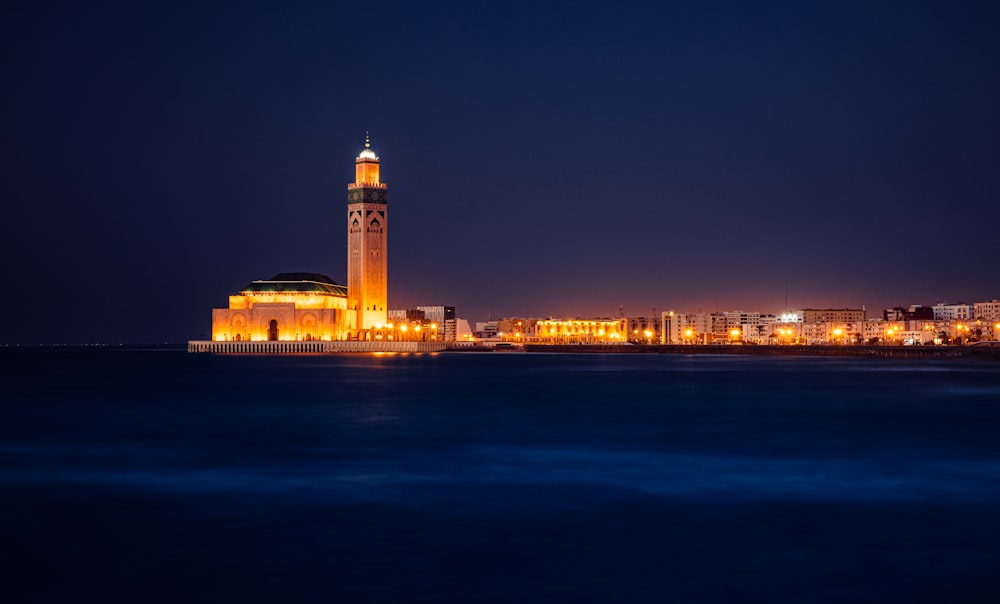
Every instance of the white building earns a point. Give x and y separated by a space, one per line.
953 312
681 328
460 328
487 329
987 311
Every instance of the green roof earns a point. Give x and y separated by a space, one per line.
312 283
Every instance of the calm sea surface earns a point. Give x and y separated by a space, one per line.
160 476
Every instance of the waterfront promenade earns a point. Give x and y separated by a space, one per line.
892 352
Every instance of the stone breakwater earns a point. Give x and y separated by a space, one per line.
888 352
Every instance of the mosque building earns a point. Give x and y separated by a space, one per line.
311 306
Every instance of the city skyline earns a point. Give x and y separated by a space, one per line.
546 160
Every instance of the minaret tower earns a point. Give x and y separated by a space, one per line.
366 242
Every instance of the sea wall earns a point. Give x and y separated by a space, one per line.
317 346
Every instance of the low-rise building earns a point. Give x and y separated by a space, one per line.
487 329
440 315
644 330
580 331
953 312
915 312
832 315
987 311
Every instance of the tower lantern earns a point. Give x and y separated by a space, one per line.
366 165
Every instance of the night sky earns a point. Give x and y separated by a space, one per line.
544 159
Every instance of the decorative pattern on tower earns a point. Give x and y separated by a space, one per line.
367 221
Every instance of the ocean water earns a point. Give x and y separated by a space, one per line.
161 476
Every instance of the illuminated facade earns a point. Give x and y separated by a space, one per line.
580 331
310 306
833 315
367 291
286 307
671 325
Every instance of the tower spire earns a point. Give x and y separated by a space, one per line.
368 143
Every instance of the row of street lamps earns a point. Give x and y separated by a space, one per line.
403 332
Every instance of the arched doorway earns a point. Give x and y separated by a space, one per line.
272 330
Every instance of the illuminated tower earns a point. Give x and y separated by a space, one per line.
366 242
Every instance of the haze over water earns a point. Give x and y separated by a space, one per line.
162 476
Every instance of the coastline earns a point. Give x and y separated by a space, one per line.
988 353
972 352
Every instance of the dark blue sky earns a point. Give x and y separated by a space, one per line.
542 158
